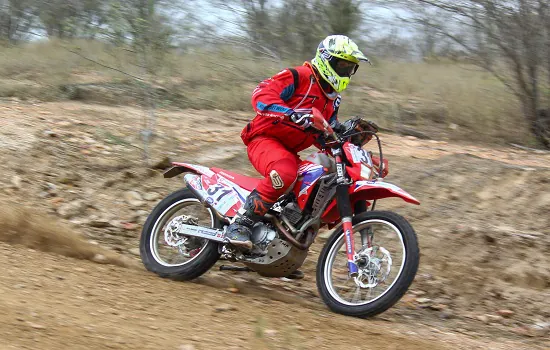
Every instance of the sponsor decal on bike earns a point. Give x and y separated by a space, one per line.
221 197
227 175
348 243
199 168
195 182
308 167
310 177
240 192
381 184
340 170
352 266
199 231
206 182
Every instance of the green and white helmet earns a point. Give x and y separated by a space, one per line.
337 59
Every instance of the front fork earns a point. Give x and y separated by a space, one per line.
346 212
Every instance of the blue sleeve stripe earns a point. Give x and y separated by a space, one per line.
287 93
333 118
271 108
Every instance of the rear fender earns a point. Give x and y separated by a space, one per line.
179 168
219 193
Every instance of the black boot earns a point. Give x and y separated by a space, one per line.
238 233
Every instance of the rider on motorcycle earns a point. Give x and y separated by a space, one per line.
283 124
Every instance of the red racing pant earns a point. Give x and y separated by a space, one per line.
278 165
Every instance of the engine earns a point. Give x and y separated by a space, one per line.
274 257
262 235
293 213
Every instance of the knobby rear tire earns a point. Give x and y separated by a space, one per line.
191 270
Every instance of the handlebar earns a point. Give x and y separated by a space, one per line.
338 141
322 125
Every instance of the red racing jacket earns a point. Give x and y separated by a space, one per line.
274 99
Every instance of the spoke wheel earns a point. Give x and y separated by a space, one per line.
377 271
387 258
172 255
172 250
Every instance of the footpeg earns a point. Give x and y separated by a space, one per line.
241 244
296 275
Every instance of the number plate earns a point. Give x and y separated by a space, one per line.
359 155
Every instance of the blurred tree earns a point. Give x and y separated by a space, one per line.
294 28
258 23
299 29
512 42
392 46
340 16
72 18
17 18
140 24
428 38
59 17
257 26
544 13
92 19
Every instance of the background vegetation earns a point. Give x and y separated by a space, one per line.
476 69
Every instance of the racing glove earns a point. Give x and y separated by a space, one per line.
305 120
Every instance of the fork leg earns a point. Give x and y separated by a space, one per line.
346 213
350 246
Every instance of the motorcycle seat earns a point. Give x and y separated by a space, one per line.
246 182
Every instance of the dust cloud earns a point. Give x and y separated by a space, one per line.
20 225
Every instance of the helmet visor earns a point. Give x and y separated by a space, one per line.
343 67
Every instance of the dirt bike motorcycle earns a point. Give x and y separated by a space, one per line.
365 266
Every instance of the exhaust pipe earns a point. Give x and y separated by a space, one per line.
179 226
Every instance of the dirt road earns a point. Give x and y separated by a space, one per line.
483 230
54 302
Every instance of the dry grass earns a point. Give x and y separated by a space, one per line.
421 94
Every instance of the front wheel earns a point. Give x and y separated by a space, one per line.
176 256
387 256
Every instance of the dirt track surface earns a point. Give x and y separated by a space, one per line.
53 302
483 228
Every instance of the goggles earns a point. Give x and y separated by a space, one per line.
343 67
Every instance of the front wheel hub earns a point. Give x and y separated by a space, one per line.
374 265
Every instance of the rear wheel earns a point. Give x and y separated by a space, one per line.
387 256
177 256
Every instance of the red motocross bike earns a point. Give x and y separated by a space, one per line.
366 265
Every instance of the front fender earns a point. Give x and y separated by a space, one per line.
372 190
368 191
